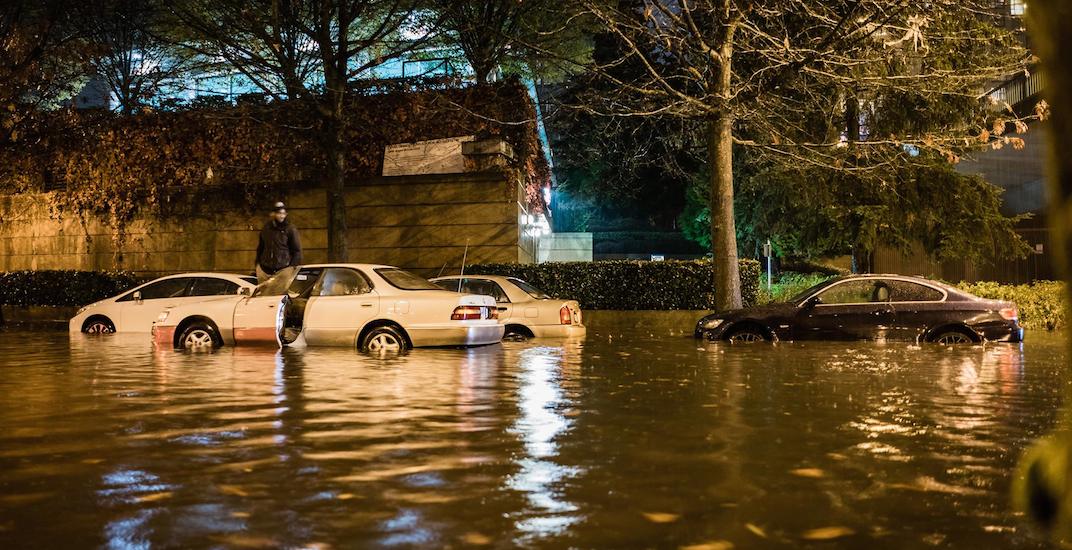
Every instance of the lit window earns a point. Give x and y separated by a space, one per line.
1016 7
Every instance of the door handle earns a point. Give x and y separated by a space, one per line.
366 305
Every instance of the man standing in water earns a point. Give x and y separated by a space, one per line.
279 246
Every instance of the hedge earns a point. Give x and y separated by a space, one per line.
1041 304
628 284
62 287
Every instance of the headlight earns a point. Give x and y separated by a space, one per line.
711 323
162 317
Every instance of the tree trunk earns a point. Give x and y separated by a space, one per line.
723 229
720 165
862 260
336 198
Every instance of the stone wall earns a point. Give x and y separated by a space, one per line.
416 222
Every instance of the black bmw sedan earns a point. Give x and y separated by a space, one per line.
871 307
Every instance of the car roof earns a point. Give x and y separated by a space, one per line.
366 266
204 274
499 278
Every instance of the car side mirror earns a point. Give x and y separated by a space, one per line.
137 295
245 291
812 302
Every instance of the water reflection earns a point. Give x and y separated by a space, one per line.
636 436
541 401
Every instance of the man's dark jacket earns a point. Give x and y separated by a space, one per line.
279 246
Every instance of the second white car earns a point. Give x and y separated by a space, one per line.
524 310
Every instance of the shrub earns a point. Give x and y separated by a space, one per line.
786 285
62 287
1042 303
628 284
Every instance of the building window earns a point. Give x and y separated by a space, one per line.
1016 7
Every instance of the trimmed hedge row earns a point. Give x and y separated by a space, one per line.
1041 304
628 284
62 287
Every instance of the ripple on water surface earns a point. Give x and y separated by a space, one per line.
637 435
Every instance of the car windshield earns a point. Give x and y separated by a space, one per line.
277 284
405 280
529 289
811 290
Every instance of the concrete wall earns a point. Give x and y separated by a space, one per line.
565 247
417 222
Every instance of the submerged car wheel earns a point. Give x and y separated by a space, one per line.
953 337
383 340
516 333
199 336
747 335
99 325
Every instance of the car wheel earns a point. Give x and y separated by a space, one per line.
953 337
516 334
386 339
99 325
747 335
199 336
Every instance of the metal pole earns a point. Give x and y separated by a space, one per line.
769 274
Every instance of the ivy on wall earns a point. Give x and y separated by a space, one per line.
171 162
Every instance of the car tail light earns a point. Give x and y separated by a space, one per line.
1009 313
564 316
472 313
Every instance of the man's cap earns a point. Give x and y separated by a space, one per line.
279 206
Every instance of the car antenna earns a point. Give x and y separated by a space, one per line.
465 255
441 269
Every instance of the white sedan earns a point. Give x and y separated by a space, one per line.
136 309
524 310
371 307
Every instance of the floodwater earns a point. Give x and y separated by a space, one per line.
637 436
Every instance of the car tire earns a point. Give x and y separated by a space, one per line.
952 338
515 333
98 325
199 336
385 339
747 335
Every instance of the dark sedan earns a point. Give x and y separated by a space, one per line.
871 307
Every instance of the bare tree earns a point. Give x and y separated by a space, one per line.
124 46
38 62
311 50
751 73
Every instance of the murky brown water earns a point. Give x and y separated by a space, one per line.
636 437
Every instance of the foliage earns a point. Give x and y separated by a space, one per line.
628 284
530 37
170 163
39 59
812 211
1042 304
786 285
62 287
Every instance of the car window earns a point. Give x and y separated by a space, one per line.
212 286
291 281
484 287
405 280
167 288
905 291
337 281
856 292
250 280
529 289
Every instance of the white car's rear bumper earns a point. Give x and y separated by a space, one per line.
455 335
558 331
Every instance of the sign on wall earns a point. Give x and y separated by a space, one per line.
437 156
